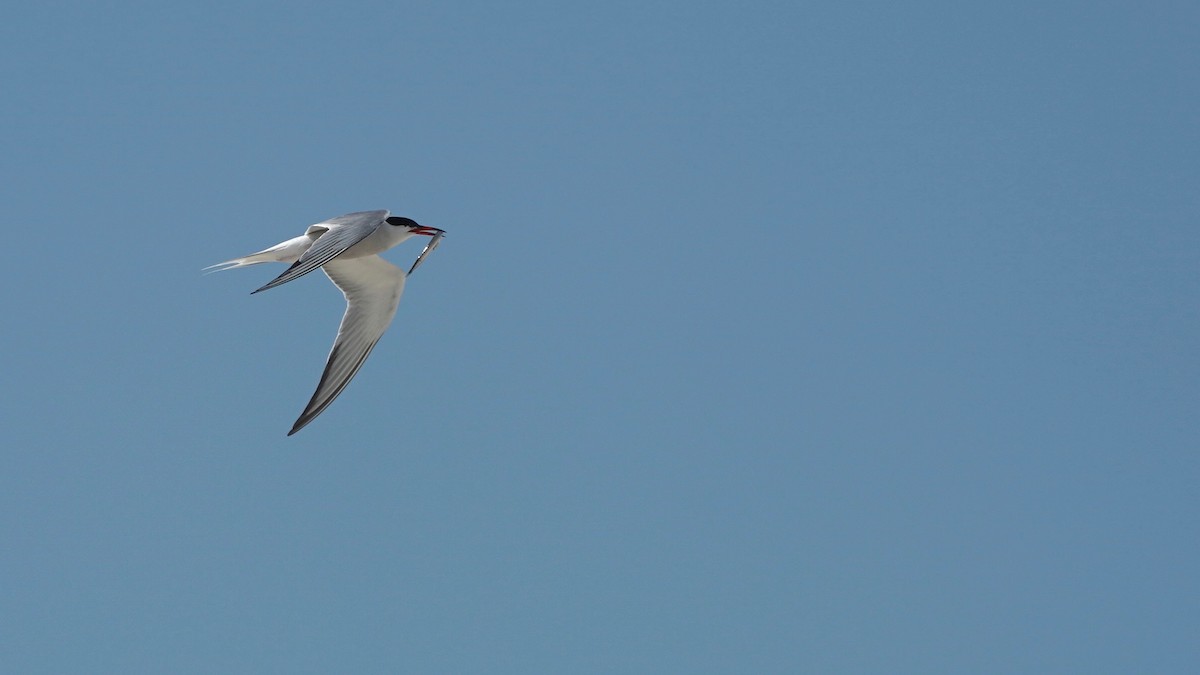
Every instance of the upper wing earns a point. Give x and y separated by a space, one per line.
340 234
372 287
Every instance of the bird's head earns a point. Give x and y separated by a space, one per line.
411 226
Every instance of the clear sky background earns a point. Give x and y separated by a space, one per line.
769 337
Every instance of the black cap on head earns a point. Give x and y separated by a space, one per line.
400 221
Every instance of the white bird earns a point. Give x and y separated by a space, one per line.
346 248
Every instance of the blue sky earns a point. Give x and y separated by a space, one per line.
767 337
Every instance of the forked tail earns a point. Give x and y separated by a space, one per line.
284 252
252 259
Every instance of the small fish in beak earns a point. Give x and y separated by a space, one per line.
433 243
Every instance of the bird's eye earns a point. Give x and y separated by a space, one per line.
402 222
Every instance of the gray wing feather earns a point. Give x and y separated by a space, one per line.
372 287
342 233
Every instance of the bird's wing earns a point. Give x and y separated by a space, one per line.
372 287
339 234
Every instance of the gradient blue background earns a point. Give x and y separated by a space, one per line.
770 337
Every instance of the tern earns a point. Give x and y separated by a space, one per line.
346 248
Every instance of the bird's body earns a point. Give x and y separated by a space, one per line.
346 248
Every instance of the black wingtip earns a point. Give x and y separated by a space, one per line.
301 422
279 280
266 286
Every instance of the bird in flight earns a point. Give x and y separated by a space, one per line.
347 249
